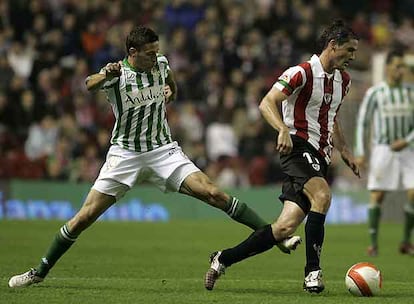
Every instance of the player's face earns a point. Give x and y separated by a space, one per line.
396 69
146 57
344 54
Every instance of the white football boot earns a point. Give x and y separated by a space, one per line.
289 244
215 271
313 282
25 279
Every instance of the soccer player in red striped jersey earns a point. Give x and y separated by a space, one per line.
310 95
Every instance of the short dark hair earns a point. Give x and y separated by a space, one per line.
338 31
139 36
394 53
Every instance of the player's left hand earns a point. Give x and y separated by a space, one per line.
350 161
167 92
399 145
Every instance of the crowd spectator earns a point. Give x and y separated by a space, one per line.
226 54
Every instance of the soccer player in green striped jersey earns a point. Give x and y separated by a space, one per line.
387 110
142 149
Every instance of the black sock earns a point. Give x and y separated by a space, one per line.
314 232
259 241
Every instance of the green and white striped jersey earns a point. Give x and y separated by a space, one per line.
138 103
390 112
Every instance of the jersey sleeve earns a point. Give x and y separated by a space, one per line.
410 136
109 83
291 80
164 65
365 115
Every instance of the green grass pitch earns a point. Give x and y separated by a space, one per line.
118 262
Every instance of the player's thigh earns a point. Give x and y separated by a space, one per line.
293 193
198 184
319 194
120 172
195 182
169 167
303 162
307 171
96 203
384 169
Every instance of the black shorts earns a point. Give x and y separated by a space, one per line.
303 163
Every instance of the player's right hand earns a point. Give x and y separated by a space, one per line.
113 69
398 145
284 142
360 161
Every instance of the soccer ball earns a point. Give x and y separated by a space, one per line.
363 280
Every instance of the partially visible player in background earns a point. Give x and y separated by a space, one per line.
387 111
142 149
310 94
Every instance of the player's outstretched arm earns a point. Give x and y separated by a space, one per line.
95 81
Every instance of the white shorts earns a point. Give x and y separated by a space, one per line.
165 167
387 168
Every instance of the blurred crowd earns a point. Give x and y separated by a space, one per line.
226 54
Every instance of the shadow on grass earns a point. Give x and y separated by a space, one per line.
396 296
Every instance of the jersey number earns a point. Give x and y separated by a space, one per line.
313 161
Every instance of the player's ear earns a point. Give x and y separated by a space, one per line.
332 44
132 51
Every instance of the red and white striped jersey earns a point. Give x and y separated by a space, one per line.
314 98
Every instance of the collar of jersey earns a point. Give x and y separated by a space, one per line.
126 63
395 86
318 69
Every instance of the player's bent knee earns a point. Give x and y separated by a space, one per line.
215 196
321 203
322 198
410 196
283 230
325 197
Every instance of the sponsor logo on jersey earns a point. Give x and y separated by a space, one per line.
146 95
